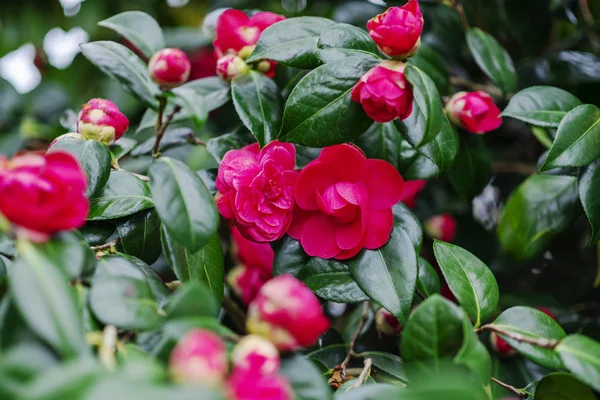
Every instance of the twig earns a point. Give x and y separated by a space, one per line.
194 140
588 17
235 312
461 13
161 127
500 167
510 388
363 319
365 372
105 246
465 83
542 342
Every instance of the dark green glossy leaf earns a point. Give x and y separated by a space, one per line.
140 29
543 106
306 380
329 356
333 55
535 212
193 299
387 362
220 145
434 65
319 111
589 193
97 233
291 42
346 36
470 280
372 392
213 89
206 265
473 353
535 324
70 252
472 170
428 110
331 280
123 195
140 236
258 103
118 62
192 105
185 206
562 386
94 158
122 147
409 223
428 281
290 258
388 275
581 356
353 320
492 59
382 141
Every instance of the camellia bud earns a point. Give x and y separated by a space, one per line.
384 92
169 67
442 227
229 66
256 354
397 31
243 385
101 120
474 112
199 357
246 281
287 313
386 323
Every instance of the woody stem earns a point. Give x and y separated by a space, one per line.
540 342
363 319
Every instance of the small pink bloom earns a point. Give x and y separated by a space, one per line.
169 67
246 282
397 31
243 385
256 189
256 355
199 357
384 92
43 195
386 323
411 191
251 254
474 112
101 120
344 203
442 227
229 66
287 313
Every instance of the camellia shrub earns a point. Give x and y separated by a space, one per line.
393 211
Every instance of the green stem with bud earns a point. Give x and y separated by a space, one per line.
161 126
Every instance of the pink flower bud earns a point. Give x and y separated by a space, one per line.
257 355
411 191
43 195
251 254
246 282
101 120
397 31
199 357
386 323
229 66
474 112
287 313
248 386
384 92
442 227
169 67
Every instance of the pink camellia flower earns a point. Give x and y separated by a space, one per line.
169 67
411 190
229 66
246 282
243 385
101 120
200 357
256 189
397 31
386 323
42 195
256 355
442 227
474 112
287 313
344 203
384 92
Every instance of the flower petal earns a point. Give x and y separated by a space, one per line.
345 162
384 184
318 237
315 177
379 229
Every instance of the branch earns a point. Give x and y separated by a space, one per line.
194 140
499 167
161 127
365 372
541 342
363 319
510 388
105 246
470 85
457 5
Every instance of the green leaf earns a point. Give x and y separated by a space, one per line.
331 281
581 356
184 204
493 60
382 141
192 105
97 233
433 64
388 275
48 304
94 158
373 392
306 380
206 265
389 363
136 365
544 106
409 223
562 386
577 139
173 137
329 356
215 91
319 112
472 169
258 103
473 353
193 299
534 324
70 252
291 42
589 192
119 388
470 280
346 36
140 29
290 258
122 147
123 195
328 56
428 281
140 235
220 145
537 210
119 62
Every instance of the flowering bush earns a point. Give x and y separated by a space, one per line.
318 202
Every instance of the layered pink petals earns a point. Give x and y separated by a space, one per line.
100 119
475 112
256 189
411 190
170 67
244 385
344 203
397 31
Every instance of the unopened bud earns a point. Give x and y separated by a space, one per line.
101 120
256 354
230 66
386 323
170 67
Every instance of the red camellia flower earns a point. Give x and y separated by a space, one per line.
101 120
344 203
256 189
255 354
411 190
397 31
386 323
42 195
169 67
287 313
442 227
243 385
384 92
474 112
